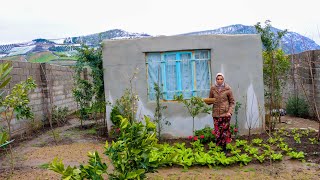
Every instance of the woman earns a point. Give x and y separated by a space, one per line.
222 110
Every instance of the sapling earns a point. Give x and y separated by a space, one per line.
195 106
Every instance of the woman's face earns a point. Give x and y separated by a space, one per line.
219 80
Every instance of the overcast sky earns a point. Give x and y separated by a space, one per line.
24 20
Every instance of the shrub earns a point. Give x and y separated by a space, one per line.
207 133
59 115
130 155
297 106
115 119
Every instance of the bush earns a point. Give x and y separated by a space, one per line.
59 115
297 106
130 155
205 135
115 119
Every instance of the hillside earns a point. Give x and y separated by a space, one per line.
45 50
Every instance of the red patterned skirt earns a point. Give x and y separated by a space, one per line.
222 130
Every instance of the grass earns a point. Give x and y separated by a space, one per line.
14 58
41 57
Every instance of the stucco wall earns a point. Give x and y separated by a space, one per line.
239 57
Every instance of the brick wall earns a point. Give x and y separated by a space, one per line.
54 83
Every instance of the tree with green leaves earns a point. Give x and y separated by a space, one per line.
275 67
90 58
158 117
17 103
195 106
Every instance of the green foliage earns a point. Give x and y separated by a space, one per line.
17 103
94 170
114 116
260 158
296 137
195 106
130 155
4 139
158 118
59 115
207 133
5 69
297 106
236 112
240 143
83 94
269 39
127 104
313 140
257 141
93 93
296 155
275 67
276 157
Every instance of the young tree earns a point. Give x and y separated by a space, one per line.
195 106
275 67
95 97
158 118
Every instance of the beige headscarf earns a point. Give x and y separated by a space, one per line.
223 84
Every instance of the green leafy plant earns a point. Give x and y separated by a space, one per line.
260 158
94 170
296 137
313 140
244 158
127 104
207 135
83 94
158 117
275 68
240 143
130 154
297 106
92 58
59 115
272 140
276 156
195 106
257 141
236 112
115 119
17 103
296 155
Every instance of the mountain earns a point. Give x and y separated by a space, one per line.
95 39
65 48
291 43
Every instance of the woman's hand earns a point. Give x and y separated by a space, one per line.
228 114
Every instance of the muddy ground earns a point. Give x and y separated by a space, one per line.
32 156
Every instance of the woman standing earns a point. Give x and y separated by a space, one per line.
222 110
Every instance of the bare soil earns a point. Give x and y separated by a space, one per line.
31 157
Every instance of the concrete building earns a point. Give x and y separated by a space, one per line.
187 65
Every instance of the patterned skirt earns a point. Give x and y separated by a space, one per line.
222 130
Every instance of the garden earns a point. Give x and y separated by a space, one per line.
79 145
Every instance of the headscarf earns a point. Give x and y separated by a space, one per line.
222 85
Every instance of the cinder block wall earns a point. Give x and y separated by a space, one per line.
54 83
299 78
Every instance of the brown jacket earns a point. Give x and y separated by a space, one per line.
224 101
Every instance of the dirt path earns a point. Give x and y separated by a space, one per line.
32 156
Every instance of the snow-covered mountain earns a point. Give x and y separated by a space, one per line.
291 43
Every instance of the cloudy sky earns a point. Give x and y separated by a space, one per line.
24 20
